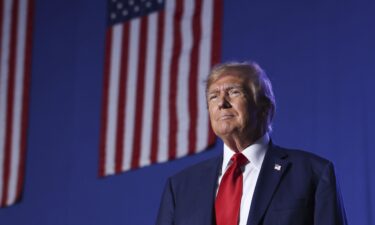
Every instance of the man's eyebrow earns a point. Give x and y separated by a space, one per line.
225 88
213 91
233 87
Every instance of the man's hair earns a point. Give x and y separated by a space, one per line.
259 87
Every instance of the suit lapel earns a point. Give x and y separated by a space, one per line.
274 166
208 186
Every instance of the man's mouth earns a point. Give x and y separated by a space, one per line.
226 117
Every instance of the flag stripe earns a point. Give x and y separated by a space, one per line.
105 106
216 29
140 92
131 92
4 69
165 80
149 89
193 81
183 91
18 106
176 51
10 100
155 117
113 97
121 99
25 98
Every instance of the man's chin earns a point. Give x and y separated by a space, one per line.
227 132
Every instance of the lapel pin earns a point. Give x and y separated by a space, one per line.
277 167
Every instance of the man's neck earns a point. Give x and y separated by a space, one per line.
238 144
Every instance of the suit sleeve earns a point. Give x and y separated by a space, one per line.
329 207
167 206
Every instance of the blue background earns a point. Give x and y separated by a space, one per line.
319 54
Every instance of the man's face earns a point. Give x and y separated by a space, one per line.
232 112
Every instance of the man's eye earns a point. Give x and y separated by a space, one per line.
234 92
212 97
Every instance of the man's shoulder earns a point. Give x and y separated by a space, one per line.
203 168
207 164
302 159
300 154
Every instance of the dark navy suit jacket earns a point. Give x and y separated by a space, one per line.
302 190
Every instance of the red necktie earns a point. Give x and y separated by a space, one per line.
228 199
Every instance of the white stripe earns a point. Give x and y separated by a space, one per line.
183 80
164 101
4 51
149 89
18 94
110 147
203 70
131 92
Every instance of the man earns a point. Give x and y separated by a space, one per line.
254 182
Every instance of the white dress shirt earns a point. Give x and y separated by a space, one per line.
255 154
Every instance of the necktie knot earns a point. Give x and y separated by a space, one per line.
239 160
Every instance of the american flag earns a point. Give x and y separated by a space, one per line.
158 55
15 42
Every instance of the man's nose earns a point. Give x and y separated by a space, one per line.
223 102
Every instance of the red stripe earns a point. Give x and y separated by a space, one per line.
216 32
216 47
10 99
25 98
140 93
121 112
176 52
104 117
193 76
156 108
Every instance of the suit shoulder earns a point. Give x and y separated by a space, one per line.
303 155
199 167
207 166
304 160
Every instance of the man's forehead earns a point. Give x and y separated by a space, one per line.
224 86
228 80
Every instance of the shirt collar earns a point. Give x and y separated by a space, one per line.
254 153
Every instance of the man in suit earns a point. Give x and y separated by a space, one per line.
253 182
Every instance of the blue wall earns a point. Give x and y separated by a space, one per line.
320 56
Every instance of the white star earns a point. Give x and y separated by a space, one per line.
119 5
113 16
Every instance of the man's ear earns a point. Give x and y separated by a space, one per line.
263 109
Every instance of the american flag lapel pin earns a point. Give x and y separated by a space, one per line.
277 167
